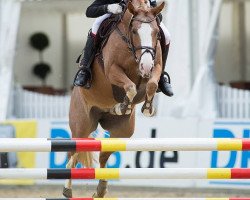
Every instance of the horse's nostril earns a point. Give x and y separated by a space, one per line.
142 68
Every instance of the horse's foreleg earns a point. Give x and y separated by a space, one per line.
102 187
67 190
120 79
126 106
151 88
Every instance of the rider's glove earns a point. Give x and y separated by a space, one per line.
114 8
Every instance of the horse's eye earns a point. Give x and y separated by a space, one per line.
134 31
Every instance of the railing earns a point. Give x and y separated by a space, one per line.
233 103
34 105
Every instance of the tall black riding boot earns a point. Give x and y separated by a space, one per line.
84 75
165 82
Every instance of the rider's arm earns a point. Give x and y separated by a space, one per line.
100 7
96 9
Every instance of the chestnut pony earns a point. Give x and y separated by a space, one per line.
132 67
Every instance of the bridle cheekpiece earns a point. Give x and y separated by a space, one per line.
129 40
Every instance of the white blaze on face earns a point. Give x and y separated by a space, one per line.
147 62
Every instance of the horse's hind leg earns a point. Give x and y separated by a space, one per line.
152 86
82 124
102 187
67 190
83 157
121 127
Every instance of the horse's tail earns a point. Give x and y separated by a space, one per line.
86 158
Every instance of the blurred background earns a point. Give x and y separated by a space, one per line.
209 63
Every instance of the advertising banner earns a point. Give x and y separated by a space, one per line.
18 129
232 159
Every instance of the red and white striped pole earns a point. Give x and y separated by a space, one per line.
127 199
126 173
112 145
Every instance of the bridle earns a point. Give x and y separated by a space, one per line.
129 40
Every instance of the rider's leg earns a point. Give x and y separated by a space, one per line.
164 83
98 23
84 75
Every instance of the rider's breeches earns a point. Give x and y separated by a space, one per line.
98 22
166 33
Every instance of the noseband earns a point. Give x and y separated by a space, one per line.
129 40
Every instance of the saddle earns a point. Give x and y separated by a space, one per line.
106 29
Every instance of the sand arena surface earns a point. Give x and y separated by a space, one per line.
114 191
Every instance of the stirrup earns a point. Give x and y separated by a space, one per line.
163 77
165 85
168 76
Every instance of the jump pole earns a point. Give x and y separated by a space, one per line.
126 173
127 199
110 145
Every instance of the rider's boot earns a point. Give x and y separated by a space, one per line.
84 75
165 82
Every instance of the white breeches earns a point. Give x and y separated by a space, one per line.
98 22
166 33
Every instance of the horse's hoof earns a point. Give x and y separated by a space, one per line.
147 113
101 189
95 195
128 112
67 193
117 109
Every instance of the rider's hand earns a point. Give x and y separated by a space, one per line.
115 8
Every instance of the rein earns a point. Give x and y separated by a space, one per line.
130 42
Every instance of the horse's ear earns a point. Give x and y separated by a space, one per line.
131 8
158 9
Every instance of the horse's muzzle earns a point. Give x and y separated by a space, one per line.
145 76
145 73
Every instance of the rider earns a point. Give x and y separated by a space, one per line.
102 9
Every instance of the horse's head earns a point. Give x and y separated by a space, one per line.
144 34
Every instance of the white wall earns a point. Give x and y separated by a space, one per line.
51 24
248 37
48 18
77 29
227 68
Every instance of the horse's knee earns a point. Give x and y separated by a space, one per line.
130 91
